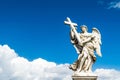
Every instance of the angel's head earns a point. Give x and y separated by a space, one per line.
84 28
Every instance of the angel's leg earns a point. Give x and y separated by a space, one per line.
90 67
88 63
84 52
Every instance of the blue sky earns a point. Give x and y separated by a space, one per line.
35 28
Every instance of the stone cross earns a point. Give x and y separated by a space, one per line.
69 22
72 26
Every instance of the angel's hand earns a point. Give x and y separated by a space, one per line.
81 44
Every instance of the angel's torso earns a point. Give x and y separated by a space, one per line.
85 36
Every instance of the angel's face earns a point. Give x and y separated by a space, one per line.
83 29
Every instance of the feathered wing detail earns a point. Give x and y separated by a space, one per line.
97 41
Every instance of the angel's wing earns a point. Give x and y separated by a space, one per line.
97 41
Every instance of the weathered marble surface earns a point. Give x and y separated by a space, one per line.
85 44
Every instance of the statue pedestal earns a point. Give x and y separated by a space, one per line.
84 77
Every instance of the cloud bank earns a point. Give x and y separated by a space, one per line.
114 5
14 67
107 74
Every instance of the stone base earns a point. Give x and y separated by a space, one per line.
84 77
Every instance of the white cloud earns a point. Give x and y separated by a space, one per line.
114 5
14 67
108 74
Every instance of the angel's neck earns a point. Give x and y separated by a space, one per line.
85 32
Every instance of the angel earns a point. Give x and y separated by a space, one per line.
85 44
90 43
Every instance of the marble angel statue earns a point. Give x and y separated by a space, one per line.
86 44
